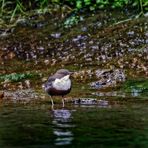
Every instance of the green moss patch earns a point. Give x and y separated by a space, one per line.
139 85
15 77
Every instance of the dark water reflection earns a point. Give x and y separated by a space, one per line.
37 126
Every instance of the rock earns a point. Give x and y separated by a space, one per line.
24 95
86 101
90 101
108 78
56 35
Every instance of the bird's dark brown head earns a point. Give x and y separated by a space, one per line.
63 72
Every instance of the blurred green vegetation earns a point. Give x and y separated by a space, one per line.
138 85
15 77
10 8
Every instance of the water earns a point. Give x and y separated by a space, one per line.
117 124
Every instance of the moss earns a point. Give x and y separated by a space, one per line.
140 85
15 77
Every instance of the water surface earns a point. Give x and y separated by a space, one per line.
117 124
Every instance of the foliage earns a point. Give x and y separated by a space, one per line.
14 77
11 8
72 20
101 4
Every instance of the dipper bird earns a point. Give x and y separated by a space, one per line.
58 84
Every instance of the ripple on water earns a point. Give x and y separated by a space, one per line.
62 125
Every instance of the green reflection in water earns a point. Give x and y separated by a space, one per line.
112 127
88 126
25 127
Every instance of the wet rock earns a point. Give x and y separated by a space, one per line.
21 95
56 35
108 78
85 101
130 33
79 38
90 101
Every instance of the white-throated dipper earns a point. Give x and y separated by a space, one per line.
58 84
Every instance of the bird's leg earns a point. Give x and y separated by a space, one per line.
63 101
52 103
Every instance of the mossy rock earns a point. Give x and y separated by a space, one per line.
139 85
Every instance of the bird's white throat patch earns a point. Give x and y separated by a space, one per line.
62 84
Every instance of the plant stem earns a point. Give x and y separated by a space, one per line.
141 7
2 7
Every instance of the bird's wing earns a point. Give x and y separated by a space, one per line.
50 80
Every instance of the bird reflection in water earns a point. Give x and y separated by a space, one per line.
61 126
